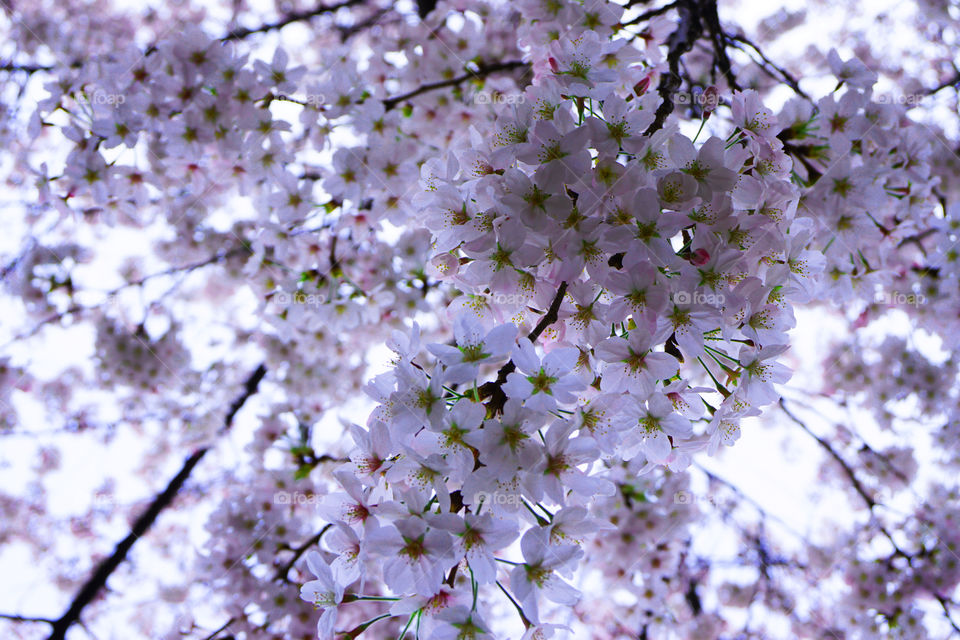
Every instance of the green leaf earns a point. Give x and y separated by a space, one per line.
302 472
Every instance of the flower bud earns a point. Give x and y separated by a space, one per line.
641 87
710 100
699 257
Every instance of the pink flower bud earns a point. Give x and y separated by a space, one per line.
641 87
710 99
700 257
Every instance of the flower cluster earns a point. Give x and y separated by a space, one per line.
136 359
659 270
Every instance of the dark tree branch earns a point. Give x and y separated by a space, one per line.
18 618
249 389
102 573
712 477
24 68
548 319
952 82
551 315
374 18
946 611
860 489
870 501
237 34
290 18
652 13
99 578
298 552
424 7
785 75
493 389
681 41
222 628
484 70
719 39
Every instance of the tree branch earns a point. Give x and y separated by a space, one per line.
652 13
952 82
484 70
860 489
298 552
786 76
493 389
374 18
681 41
18 618
222 628
24 68
290 18
249 389
946 611
243 249
102 573
236 34
424 7
719 39
848 470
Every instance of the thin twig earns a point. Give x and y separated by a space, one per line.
652 13
860 489
946 611
299 551
952 82
786 76
221 629
484 70
290 18
493 389
10 67
186 268
18 618
848 470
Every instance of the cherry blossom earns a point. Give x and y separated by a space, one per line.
461 319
